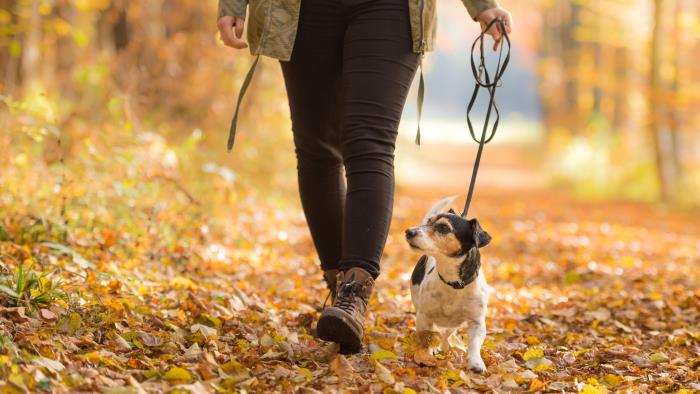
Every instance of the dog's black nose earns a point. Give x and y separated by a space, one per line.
411 232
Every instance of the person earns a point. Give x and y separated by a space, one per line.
347 68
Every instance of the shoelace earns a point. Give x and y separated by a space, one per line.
325 302
346 296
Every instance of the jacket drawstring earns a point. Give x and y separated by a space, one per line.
421 93
241 93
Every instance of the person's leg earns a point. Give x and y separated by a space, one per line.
312 78
378 68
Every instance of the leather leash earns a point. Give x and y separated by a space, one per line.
483 80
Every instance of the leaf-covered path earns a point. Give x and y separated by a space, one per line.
587 296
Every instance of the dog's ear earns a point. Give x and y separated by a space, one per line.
438 207
481 237
452 211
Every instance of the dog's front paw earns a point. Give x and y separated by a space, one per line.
476 365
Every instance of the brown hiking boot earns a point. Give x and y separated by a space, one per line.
331 278
342 323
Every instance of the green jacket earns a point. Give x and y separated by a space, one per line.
272 24
272 28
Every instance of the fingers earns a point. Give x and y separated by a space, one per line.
496 36
487 17
239 27
237 30
231 30
508 22
495 32
224 25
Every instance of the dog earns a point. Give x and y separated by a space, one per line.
448 288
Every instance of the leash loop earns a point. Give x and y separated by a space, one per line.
482 79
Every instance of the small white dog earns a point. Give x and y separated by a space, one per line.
448 287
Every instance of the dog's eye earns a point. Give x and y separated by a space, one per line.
442 228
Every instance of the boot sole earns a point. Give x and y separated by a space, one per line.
334 325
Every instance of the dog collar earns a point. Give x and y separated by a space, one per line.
457 285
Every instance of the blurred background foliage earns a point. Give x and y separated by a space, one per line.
125 102
119 202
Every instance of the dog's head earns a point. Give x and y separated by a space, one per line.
448 234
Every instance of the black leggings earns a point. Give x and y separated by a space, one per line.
347 81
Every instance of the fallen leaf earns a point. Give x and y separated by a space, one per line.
536 385
193 352
48 363
601 314
206 331
533 352
383 373
509 384
539 364
658 358
149 340
423 357
382 354
47 314
593 389
341 367
177 374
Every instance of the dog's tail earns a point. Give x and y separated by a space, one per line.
439 206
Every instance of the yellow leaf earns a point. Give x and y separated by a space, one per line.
99 358
455 378
533 352
544 365
658 358
234 371
489 344
591 389
613 380
233 367
305 371
74 322
382 354
536 385
532 340
177 374
656 296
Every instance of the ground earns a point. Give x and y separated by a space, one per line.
587 297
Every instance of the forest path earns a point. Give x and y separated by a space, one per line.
587 295
591 296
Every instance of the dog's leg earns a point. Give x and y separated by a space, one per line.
477 334
427 341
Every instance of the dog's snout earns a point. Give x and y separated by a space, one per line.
411 232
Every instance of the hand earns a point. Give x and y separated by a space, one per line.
231 30
495 31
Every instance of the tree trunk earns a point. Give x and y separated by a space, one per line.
31 51
676 110
655 132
